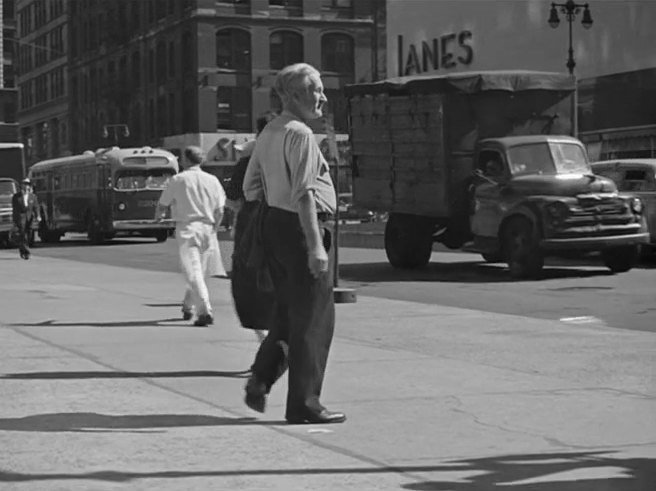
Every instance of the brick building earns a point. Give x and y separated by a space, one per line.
41 66
176 72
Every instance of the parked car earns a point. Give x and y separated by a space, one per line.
637 177
348 211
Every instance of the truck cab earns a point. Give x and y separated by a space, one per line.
537 195
8 187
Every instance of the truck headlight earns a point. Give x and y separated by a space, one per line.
121 206
636 205
557 212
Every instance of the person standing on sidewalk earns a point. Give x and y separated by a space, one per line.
288 170
198 200
25 209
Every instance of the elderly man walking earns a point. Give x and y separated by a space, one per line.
289 172
198 200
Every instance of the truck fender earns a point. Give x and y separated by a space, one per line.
524 211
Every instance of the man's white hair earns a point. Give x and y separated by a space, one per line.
293 79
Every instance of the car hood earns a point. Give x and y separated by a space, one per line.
562 184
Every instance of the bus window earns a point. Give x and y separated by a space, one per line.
129 180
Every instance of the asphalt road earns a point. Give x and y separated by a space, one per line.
575 292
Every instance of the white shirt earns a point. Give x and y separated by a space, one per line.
287 164
195 194
26 197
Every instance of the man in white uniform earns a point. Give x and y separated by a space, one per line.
198 200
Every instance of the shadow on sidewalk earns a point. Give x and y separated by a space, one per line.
461 272
107 375
581 471
172 322
94 422
635 474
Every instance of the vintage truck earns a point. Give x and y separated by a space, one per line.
483 161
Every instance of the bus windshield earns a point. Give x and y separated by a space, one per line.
7 188
136 179
548 158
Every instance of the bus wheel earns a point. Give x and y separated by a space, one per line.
161 235
93 231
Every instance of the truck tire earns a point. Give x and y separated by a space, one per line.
161 235
620 259
408 241
521 249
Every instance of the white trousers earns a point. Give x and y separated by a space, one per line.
198 248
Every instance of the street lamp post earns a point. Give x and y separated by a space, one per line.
571 9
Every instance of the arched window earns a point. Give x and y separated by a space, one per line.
337 54
285 47
233 49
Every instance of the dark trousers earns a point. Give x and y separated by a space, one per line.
305 318
23 237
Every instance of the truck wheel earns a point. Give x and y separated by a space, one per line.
620 259
161 235
521 250
408 241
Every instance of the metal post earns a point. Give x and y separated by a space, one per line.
341 295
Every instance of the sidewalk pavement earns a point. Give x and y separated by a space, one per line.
103 387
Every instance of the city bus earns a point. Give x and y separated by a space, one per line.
104 193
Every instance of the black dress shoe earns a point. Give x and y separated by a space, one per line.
322 418
204 320
255 395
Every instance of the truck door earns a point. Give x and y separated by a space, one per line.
488 210
641 182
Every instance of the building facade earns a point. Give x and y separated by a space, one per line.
170 73
41 75
8 91
614 56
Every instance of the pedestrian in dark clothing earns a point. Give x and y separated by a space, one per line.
288 170
25 209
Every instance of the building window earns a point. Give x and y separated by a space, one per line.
136 69
187 53
171 59
337 54
286 47
233 108
161 63
233 49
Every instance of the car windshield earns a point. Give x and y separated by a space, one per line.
130 180
7 188
548 158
